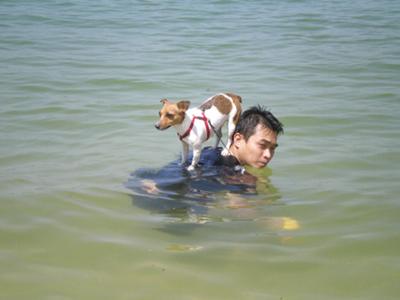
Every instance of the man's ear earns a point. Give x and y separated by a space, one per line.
237 139
183 105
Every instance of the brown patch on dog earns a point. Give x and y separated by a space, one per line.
207 104
223 104
237 100
183 105
171 114
163 101
220 102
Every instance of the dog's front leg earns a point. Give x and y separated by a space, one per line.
196 157
185 152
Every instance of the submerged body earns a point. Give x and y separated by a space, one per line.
179 193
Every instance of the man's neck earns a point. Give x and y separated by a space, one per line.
233 152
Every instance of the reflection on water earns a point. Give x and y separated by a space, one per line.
212 193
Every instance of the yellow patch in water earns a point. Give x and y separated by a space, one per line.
280 223
290 224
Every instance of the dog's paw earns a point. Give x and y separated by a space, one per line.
190 168
225 152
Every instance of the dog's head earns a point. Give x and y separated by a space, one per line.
171 113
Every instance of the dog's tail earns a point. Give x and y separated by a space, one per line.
235 97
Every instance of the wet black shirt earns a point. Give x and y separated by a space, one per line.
215 173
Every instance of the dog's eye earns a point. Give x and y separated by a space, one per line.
169 115
159 113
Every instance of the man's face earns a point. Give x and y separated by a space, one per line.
258 150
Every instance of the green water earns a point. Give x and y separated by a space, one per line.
80 88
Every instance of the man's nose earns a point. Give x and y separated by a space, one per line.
268 153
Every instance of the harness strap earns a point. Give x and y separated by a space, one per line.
187 132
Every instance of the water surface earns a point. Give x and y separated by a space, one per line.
80 89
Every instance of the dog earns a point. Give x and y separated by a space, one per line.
196 125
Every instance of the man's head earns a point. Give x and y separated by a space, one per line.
255 137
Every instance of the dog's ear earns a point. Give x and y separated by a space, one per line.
183 105
163 101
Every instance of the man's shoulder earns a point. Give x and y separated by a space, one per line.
212 157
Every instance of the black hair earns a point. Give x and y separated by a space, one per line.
255 115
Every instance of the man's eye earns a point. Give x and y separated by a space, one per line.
267 146
263 146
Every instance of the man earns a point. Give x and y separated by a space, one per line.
253 144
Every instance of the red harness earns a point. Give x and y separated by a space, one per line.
187 132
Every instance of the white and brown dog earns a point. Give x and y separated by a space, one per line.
196 125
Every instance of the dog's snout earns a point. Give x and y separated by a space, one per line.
157 125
